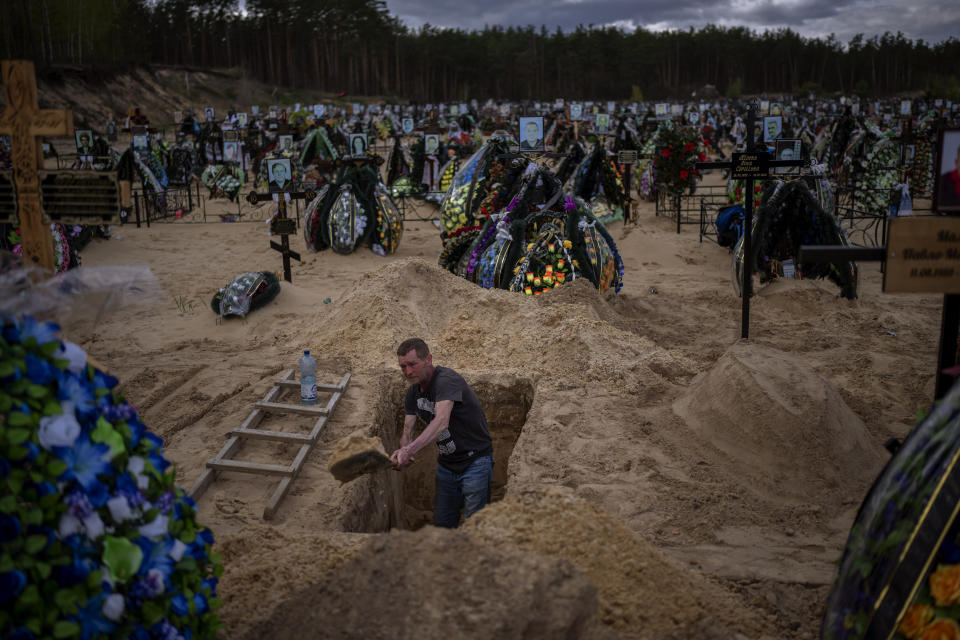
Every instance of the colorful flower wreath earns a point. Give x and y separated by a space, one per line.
95 539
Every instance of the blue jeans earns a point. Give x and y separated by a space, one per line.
469 490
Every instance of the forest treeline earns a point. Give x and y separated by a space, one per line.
358 47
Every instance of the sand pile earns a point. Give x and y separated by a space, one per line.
437 583
641 593
262 564
785 428
558 334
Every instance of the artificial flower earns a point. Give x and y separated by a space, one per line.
59 431
122 558
85 460
75 356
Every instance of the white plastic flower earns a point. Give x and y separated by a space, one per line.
113 606
154 529
93 526
119 509
69 525
177 551
59 431
73 354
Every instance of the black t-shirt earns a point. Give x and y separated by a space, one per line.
467 436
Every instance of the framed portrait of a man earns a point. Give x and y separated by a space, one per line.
431 144
356 108
531 134
611 106
279 171
286 144
358 144
208 113
111 130
765 106
787 149
242 119
772 128
406 125
661 110
231 152
319 110
576 111
946 193
255 110
693 117
905 107
140 142
84 138
504 110
454 110
602 122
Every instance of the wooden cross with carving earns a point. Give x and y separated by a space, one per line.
24 122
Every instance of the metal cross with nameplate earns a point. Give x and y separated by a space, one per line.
282 225
752 164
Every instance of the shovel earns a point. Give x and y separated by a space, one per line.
357 455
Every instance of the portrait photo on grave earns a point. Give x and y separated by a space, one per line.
140 142
208 113
279 171
177 117
907 151
110 128
576 111
772 128
84 139
787 149
946 194
231 151
531 133
255 110
661 110
242 118
318 110
431 144
286 144
358 144
356 108
905 107
693 117
406 125
454 110
603 123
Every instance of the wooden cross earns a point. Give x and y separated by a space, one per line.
753 164
24 122
282 225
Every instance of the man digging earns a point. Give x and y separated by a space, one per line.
455 421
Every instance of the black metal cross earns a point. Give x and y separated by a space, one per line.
752 164
282 225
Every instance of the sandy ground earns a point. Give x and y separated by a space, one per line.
709 482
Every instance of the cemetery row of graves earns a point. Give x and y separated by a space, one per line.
522 192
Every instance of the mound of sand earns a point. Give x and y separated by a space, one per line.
560 334
785 427
438 583
641 593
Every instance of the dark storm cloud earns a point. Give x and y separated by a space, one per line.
931 20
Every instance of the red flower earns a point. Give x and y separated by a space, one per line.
683 174
702 157
665 153
688 147
757 188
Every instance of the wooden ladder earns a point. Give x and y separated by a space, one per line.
223 462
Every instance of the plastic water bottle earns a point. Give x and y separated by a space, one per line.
308 379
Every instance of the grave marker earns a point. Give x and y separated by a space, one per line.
753 164
24 122
282 225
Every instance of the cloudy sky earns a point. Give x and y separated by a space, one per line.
931 20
